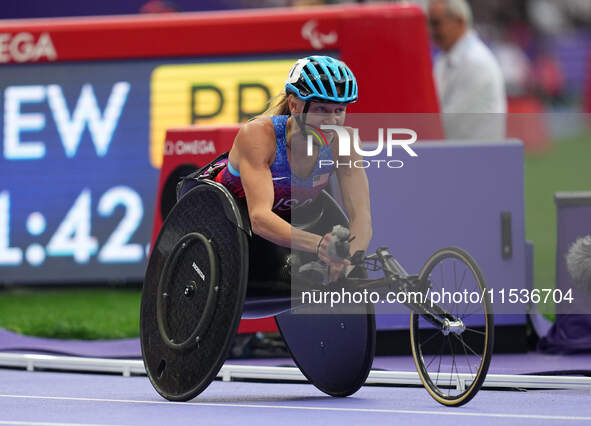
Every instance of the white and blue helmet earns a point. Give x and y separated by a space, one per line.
322 79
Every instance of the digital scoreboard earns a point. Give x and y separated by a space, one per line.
76 184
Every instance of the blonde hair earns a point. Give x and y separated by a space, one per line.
277 105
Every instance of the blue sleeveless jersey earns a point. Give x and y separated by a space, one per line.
291 191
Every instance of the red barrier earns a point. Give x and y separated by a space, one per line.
185 150
385 44
527 122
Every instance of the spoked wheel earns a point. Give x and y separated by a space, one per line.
452 360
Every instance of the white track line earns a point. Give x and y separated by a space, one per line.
448 412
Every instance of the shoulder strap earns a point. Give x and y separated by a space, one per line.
181 188
220 157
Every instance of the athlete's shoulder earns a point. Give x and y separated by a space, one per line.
258 129
256 138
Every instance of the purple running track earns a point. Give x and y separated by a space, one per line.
90 399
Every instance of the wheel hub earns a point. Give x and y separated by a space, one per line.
456 327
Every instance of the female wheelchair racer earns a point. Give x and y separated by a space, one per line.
269 164
219 257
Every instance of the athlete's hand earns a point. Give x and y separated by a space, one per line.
337 265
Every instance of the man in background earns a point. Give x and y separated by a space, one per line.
467 75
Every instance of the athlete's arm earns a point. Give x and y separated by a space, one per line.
355 194
256 146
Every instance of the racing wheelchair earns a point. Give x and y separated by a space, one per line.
208 270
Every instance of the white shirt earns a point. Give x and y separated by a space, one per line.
469 80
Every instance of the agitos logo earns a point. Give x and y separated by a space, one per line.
210 93
315 133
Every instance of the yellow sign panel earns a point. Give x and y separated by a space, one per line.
212 93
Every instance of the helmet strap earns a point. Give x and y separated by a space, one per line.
301 119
